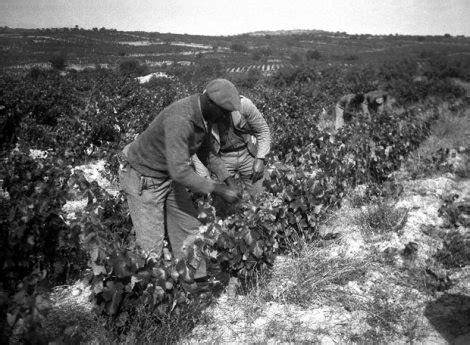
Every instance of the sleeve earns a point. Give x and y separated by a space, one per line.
365 107
212 161
200 168
177 134
259 126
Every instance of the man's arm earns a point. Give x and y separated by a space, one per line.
365 108
211 160
177 134
259 126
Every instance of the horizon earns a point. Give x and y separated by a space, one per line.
260 32
226 18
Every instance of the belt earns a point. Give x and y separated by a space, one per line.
233 149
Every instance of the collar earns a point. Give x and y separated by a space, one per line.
197 117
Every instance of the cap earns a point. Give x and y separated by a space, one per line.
223 93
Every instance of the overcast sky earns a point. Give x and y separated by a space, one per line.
229 17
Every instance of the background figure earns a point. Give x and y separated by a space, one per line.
346 106
156 171
378 101
242 141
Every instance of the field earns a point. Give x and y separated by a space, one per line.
359 236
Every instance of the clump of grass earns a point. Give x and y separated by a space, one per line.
312 276
72 320
450 131
381 218
456 251
359 197
150 328
288 332
390 315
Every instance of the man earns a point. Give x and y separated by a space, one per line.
377 101
374 101
156 169
242 141
346 106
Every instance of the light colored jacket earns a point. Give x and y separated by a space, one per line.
249 124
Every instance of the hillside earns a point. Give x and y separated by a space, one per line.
105 48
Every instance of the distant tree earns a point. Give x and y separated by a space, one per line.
132 67
35 73
153 37
256 55
95 29
351 57
295 58
249 79
447 35
312 55
207 68
58 60
266 51
239 47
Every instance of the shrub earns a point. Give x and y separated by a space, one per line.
239 47
455 252
132 67
37 248
312 55
59 61
381 217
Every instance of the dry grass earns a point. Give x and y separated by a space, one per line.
450 131
312 276
148 328
380 218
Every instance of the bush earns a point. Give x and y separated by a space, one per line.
312 55
37 248
132 67
58 61
239 47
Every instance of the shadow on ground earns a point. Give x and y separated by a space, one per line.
450 316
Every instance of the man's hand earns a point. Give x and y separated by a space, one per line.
230 182
258 170
227 193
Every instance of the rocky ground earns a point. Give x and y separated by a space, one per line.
395 290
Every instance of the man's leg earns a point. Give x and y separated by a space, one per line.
246 161
145 197
182 224
222 207
339 120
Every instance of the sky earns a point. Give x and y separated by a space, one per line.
231 17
